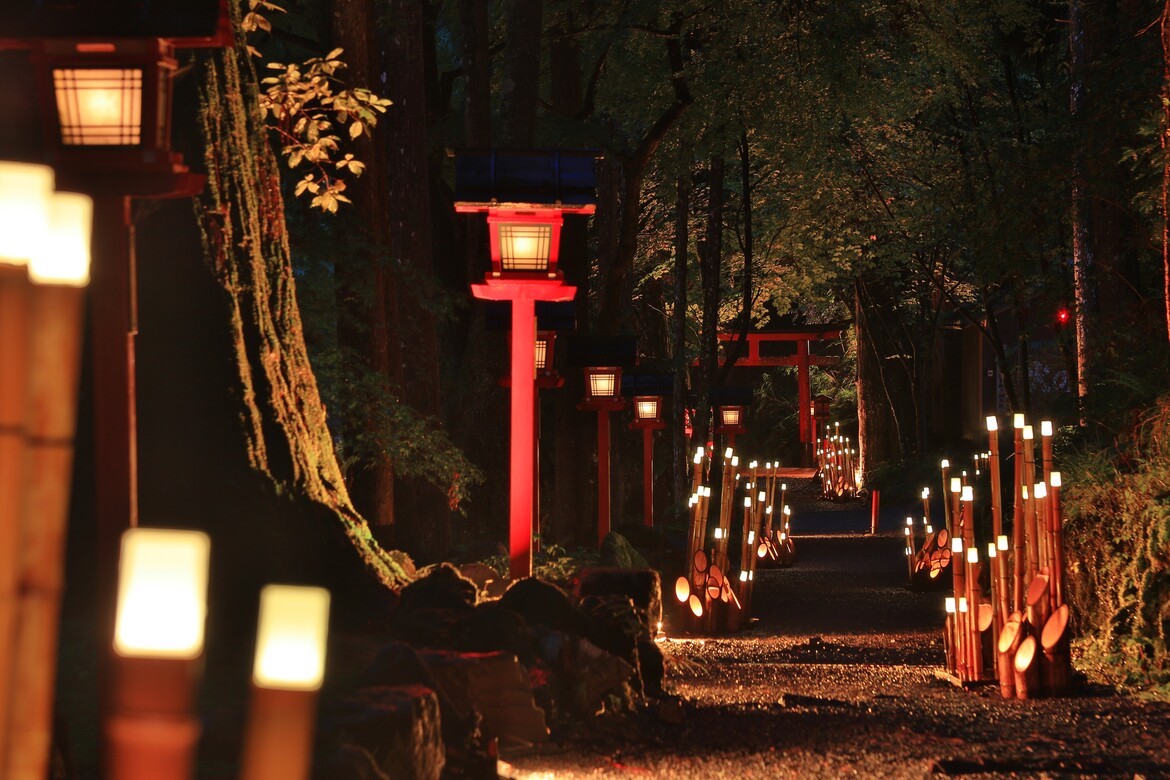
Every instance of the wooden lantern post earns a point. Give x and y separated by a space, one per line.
648 418
603 394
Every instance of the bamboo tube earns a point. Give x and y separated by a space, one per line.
696 481
945 467
14 299
996 485
1046 447
1008 642
960 587
54 353
1057 519
1030 532
1056 670
1043 528
1019 562
996 587
974 643
1026 665
955 521
949 649
1038 607
1001 547
985 617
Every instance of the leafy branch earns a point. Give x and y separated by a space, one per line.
307 106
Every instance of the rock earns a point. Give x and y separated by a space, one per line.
642 586
652 666
399 725
614 624
492 627
439 587
427 627
591 674
487 579
496 686
543 604
619 553
349 762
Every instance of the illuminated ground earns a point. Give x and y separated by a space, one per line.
836 680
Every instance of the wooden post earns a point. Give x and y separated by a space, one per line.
1019 561
648 477
603 494
874 510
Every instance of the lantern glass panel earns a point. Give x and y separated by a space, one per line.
25 193
647 408
541 353
99 106
63 255
602 384
291 638
524 246
730 416
162 593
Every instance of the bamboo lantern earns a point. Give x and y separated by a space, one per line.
1006 646
59 270
960 585
25 193
1018 522
1038 608
974 643
945 466
949 633
288 670
1057 519
158 647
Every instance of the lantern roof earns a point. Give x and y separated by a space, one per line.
183 22
526 179
583 351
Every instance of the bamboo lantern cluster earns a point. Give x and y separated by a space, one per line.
1025 612
158 647
44 267
714 598
836 465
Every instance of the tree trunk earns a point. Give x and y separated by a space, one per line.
519 88
710 272
477 74
877 431
365 316
681 446
242 218
1164 139
414 343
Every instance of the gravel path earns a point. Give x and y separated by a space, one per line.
836 679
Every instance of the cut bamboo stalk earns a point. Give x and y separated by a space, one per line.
960 585
1056 670
54 354
974 643
945 467
1038 608
1019 561
949 645
1008 642
1058 541
1030 530
14 295
1027 668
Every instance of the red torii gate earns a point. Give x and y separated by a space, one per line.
764 351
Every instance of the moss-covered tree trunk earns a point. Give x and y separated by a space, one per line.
241 214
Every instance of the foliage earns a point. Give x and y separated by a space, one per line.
1118 532
306 104
552 563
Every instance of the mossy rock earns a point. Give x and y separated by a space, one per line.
617 552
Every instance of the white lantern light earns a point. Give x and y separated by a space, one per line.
25 193
162 593
63 256
291 637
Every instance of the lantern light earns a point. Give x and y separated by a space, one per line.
543 344
727 452
743 575
162 593
291 637
1055 479
751 537
718 533
946 464
1041 490
909 521
747 502
956 545
25 192
646 408
962 603
991 551
968 493
730 416
698 456
930 529
1028 433
956 485
950 602
63 256
1001 542
603 382
992 423
926 492
735 460
1046 427
1018 420
972 555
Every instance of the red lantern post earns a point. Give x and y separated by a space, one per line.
525 241
603 394
648 418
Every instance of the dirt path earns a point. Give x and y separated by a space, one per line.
836 680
